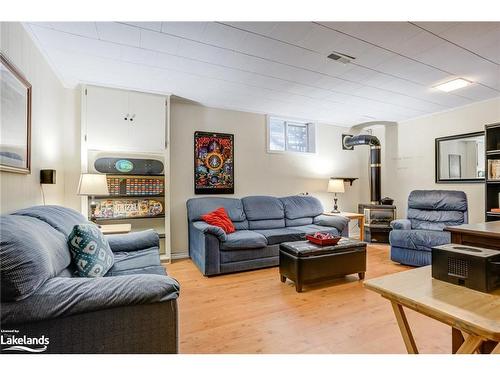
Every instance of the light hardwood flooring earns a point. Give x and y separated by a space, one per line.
253 312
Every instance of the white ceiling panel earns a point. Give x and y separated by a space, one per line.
282 68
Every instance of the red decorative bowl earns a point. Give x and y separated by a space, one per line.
323 242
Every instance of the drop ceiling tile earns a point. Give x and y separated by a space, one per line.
153 26
119 33
159 42
87 29
190 30
52 39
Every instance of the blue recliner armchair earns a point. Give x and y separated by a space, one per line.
429 212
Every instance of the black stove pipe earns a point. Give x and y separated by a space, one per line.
375 162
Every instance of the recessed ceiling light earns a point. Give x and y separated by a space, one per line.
454 84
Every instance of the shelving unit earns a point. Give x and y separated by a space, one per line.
492 186
129 125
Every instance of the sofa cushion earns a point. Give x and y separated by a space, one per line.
219 218
31 252
263 208
298 206
418 239
244 239
313 228
266 224
441 200
90 251
277 236
196 207
299 221
60 218
62 296
434 219
133 241
137 262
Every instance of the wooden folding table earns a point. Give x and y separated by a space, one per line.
469 312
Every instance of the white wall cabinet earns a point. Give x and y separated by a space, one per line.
119 120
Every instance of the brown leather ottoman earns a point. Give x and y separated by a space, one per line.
304 262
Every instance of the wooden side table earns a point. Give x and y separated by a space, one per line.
116 228
352 216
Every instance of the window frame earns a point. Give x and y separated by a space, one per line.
311 134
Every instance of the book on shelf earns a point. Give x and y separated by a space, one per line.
494 169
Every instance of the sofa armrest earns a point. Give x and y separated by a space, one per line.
133 241
65 296
401 224
337 221
210 229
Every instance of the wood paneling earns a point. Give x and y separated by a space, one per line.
253 312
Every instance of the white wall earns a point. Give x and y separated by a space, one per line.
256 171
53 124
409 158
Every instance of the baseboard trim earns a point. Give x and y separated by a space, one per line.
182 255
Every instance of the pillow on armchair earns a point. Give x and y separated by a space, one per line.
90 251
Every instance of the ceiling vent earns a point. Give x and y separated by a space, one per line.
340 57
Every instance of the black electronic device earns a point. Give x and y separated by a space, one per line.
129 166
473 267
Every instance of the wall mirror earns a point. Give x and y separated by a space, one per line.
460 158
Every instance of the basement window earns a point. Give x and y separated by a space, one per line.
290 135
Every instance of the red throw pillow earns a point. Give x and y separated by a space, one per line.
219 218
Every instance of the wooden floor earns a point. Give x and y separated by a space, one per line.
253 312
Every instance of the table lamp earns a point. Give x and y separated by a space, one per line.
335 185
92 185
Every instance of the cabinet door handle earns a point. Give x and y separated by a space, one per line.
132 117
126 117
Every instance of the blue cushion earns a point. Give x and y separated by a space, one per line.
266 224
313 228
140 262
418 239
263 208
434 219
299 221
196 207
441 200
60 218
244 239
277 236
298 206
90 251
31 252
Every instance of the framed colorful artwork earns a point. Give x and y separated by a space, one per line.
15 119
213 163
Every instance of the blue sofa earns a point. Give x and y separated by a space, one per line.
429 212
261 222
133 309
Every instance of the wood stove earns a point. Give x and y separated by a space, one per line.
378 218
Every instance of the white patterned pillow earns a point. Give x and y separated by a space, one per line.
90 251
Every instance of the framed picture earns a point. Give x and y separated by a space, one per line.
15 119
213 163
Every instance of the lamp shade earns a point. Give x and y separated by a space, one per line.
93 184
335 185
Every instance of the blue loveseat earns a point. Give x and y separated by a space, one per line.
429 212
261 222
133 309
